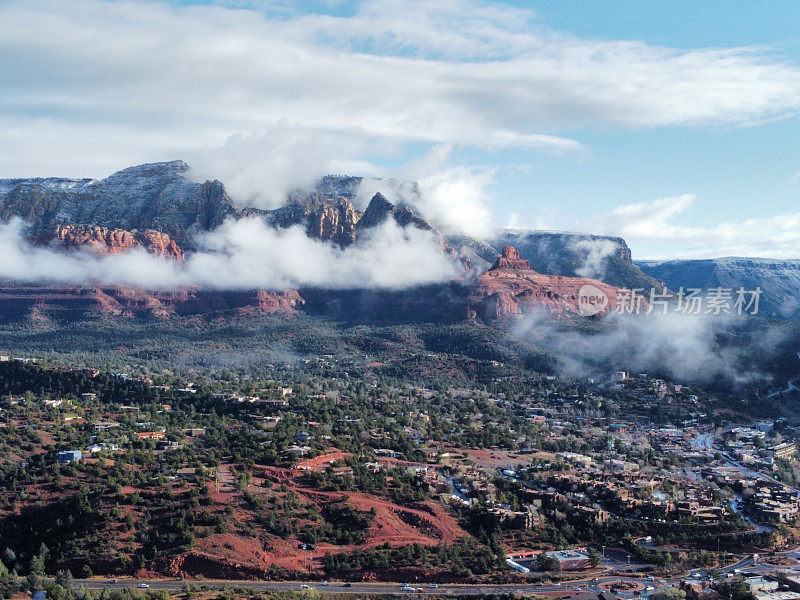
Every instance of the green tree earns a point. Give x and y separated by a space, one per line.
594 558
668 593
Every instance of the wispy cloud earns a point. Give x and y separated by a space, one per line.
91 86
650 227
683 347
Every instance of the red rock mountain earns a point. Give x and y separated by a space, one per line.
75 302
510 289
158 207
103 240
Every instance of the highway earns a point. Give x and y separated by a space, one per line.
339 587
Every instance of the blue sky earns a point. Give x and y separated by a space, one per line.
736 172
673 124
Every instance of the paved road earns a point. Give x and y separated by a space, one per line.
355 587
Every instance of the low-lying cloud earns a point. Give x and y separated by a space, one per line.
688 348
594 253
242 254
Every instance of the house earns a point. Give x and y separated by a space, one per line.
102 447
68 456
759 584
387 453
699 590
151 435
431 453
167 445
105 425
784 450
186 473
571 560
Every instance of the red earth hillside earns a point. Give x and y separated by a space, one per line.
511 289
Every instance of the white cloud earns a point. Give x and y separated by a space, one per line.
683 347
259 170
244 254
452 198
116 81
654 230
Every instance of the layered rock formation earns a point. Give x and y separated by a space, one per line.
322 217
76 302
157 207
509 259
157 196
605 258
510 289
102 240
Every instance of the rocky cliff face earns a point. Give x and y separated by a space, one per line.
509 259
102 240
72 303
329 217
511 289
605 258
323 217
158 196
380 209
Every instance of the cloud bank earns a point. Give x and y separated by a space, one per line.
688 348
243 254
